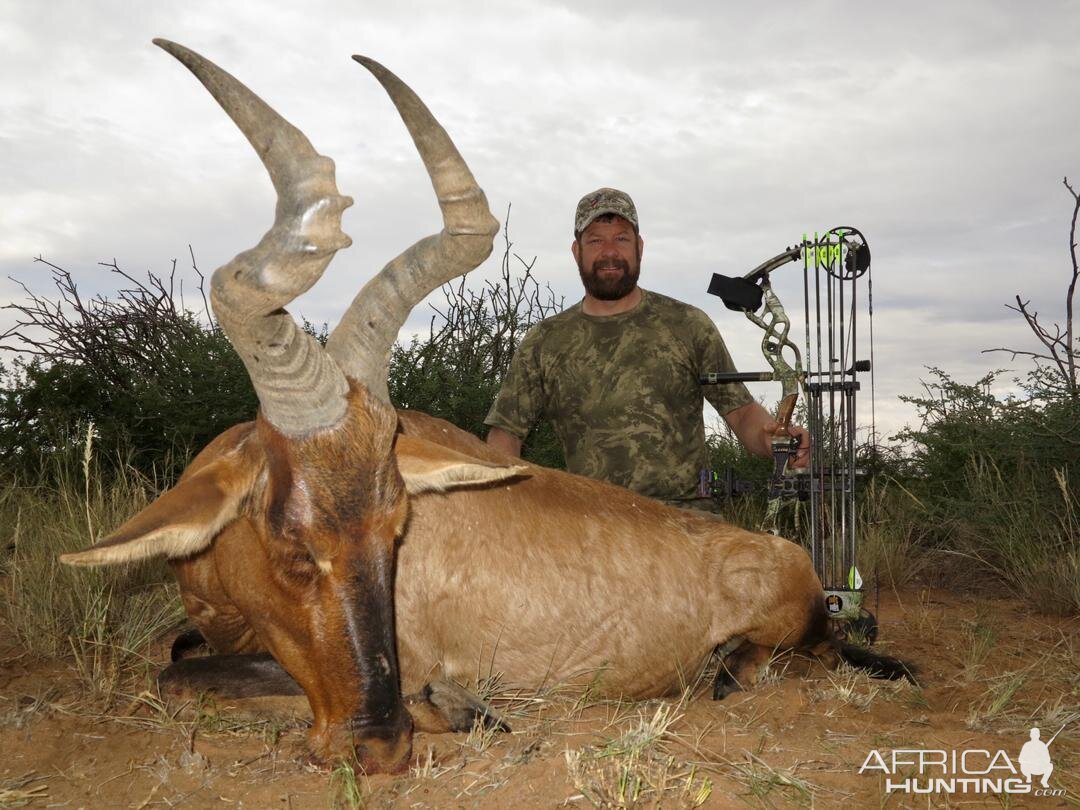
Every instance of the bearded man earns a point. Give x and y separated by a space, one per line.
617 373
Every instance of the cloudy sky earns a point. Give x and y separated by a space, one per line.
941 130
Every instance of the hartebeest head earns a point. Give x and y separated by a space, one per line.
316 480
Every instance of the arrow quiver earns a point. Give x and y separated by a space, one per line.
838 304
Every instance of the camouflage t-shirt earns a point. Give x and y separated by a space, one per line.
622 392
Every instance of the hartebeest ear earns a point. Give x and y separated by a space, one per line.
430 467
180 522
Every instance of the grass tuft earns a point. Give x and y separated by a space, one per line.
761 779
1026 537
998 697
18 792
635 769
101 618
346 792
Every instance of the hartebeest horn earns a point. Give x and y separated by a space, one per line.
299 387
362 341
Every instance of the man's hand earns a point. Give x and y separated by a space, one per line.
505 441
802 457
756 427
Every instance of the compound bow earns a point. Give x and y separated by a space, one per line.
843 255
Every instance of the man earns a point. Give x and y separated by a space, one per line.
617 373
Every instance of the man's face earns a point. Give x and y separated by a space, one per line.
608 255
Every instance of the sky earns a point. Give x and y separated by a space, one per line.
941 130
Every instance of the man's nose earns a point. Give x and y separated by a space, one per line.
609 248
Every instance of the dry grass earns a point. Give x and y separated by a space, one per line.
925 617
979 639
345 791
893 542
849 687
18 792
1028 541
761 779
637 768
102 619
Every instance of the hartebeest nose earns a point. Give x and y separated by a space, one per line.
386 749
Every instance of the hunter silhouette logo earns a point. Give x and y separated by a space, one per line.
971 771
1034 757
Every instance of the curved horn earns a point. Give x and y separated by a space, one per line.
299 387
362 341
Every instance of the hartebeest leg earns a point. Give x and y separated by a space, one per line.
439 707
229 676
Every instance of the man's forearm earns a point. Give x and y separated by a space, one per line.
504 440
748 423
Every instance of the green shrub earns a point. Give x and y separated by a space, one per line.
157 380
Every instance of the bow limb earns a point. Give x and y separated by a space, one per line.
775 322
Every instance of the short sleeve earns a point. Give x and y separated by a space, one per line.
520 402
713 356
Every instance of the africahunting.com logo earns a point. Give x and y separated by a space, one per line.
970 771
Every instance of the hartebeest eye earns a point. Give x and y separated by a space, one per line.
298 564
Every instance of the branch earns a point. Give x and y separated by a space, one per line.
1044 337
1072 288
1016 352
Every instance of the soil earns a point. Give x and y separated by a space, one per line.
990 670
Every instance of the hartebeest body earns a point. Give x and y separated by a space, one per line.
284 533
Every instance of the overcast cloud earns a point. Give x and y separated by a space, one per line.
942 131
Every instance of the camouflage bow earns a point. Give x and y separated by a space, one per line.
775 322
746 294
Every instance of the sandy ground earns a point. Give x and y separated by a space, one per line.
990 670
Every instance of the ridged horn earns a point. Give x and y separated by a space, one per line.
300 388
362 341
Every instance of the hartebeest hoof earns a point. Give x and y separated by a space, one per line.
740 668
724 684
443 706
877 665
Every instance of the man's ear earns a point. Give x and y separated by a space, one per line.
429 467
575 248
640 246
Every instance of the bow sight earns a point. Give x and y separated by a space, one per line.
834 265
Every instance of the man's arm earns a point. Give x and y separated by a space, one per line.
754 426
504 440
520 398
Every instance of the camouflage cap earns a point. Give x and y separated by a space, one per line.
604 201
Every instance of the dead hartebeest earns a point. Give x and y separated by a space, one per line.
309 532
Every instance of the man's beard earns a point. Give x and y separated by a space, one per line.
611 288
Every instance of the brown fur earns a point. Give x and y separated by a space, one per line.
546 579
550 579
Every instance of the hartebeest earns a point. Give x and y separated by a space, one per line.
284 532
